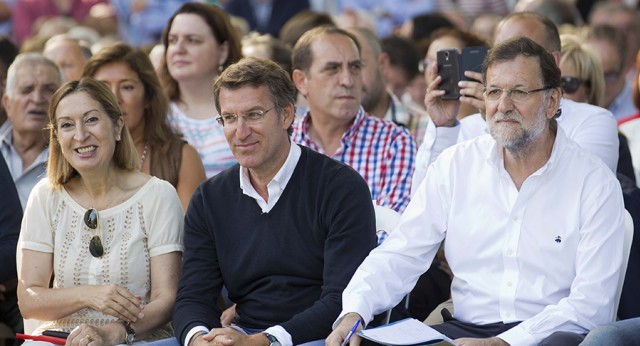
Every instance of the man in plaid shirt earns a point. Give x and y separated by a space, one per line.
328 73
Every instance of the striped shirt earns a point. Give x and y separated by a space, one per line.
382 152
206 136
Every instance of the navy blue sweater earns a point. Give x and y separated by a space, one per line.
287 267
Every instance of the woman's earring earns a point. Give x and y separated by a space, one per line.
220 68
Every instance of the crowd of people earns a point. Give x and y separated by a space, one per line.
215 172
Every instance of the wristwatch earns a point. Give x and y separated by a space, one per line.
129 333
273 341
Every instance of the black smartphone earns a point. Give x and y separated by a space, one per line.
471 60
449 70
56 334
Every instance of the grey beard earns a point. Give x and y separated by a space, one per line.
519 145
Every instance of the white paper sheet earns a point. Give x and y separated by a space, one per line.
405 332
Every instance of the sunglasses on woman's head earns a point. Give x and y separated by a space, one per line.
91 221
572 84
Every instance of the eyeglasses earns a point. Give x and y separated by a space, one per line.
514 94
571 84
95 245
251 117
423 65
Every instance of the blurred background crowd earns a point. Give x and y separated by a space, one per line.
269 28
104 38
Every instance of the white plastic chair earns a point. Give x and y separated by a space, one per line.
626 249
386 218
386 221
30 325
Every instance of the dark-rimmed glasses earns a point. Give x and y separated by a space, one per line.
571 84
95 245
516 95
251 117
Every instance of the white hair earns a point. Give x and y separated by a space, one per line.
30 60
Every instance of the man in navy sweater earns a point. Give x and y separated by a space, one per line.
283 230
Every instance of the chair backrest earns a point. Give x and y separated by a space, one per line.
626 249
30 325
386 220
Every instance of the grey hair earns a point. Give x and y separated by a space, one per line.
31 60
83 46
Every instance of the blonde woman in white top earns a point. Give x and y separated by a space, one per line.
110 235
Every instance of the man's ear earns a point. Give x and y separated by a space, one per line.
384 61
553 102
6 104
288 116
556 55
224 53
300 81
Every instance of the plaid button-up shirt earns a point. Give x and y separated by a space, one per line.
382 152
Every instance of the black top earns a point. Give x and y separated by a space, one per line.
286 267
10 217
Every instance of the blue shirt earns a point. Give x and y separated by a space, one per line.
25 179
622 106
388 14
144 27
5 26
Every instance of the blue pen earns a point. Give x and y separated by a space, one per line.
353 330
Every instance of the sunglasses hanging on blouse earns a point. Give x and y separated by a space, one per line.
91 221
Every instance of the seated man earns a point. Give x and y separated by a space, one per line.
31 81
532 223
376 99
611 46
68 54
592 127
327 70
283 230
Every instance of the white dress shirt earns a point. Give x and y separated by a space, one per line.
24 179
593 128
548 255
275 187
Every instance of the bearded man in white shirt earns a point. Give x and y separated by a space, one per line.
592 127
532 223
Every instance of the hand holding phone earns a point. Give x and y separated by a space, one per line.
452 65
471 86
471 60
449 70
442 112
